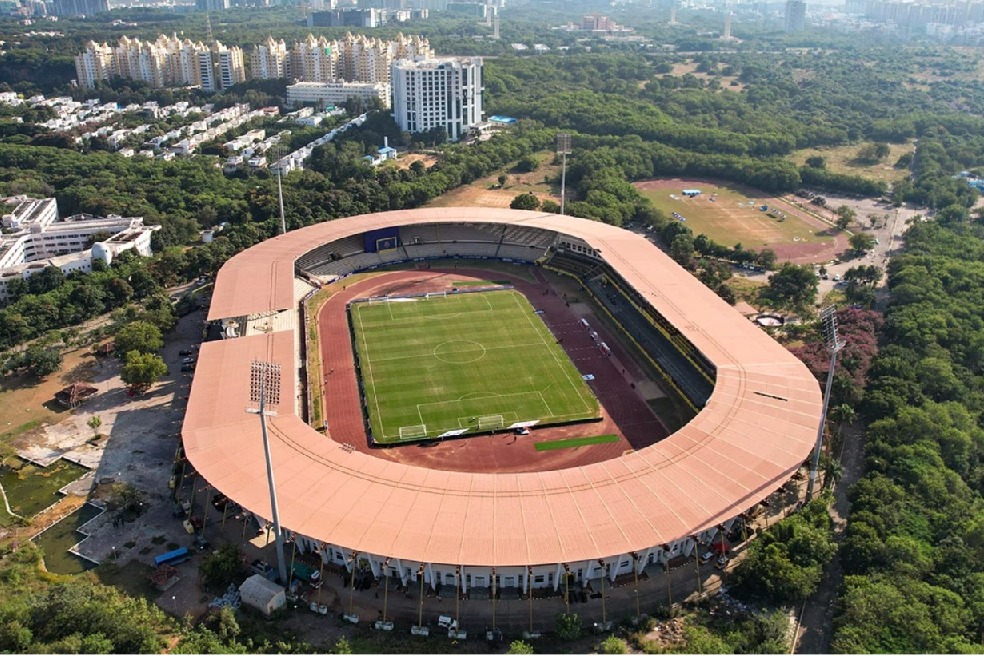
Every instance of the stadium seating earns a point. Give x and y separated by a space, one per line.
524 253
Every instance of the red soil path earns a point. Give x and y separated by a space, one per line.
624 412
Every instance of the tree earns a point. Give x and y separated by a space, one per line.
861 242
528 164
141 370
614 645
221 567
682 250
550 206
527 201
845 216
42 360
520 647
94 423
793 286
568 626
139 336
816 162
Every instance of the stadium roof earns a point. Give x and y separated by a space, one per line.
754 433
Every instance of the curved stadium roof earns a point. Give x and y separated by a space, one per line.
755 431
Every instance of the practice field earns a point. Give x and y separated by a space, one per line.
462 363
729 216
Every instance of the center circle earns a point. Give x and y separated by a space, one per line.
459 351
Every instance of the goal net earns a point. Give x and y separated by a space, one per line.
410 432
490 422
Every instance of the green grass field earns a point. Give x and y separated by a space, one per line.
464 362
574 442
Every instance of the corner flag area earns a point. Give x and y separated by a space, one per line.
455 364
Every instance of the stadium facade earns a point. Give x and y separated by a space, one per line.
757 406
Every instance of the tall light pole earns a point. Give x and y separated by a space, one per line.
828 322
563 149
264 388
278 152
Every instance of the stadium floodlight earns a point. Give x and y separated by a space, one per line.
563 149
828 323
278 153
264 390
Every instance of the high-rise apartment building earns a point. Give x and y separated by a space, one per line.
435 93
795 15
354 58
168 61
95 63
270 60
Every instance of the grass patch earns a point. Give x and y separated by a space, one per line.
843 159
574 442
30 488
454 363
57 540
734 216
479 283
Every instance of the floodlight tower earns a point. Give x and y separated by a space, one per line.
264 389
563 149
278 153
828 321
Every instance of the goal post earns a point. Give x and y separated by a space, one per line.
412 432
436 295
490 422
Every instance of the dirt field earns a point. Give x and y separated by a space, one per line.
26 404
734 217
729 83
405 161
842 160
486 192
618 384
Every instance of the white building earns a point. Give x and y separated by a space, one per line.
36 237
337 92
434 93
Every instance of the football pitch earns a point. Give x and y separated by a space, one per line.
462 363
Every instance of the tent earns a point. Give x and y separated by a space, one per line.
261 594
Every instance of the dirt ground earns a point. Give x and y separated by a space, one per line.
27 402
621 387
805 238
486 192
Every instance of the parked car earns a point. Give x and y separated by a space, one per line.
706 557
185 368
184 352
190 360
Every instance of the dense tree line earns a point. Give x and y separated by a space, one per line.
914 551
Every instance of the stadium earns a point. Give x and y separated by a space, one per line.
465 504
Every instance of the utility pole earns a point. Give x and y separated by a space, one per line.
264 388
828 321
563 149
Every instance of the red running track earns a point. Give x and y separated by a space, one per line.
624 412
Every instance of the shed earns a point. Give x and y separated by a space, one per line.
261 594
691 193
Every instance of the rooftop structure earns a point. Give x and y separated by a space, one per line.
524 529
